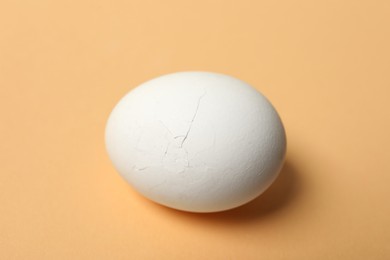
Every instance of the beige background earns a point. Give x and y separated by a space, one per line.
64 64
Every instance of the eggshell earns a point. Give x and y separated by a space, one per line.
196 141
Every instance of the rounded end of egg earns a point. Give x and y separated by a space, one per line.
196 141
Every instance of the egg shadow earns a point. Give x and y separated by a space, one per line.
282 193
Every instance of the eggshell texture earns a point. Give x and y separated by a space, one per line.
196 141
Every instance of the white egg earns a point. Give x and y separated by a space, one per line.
196 141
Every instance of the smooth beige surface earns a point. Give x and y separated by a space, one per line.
324 65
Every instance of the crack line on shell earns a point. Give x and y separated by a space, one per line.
192 120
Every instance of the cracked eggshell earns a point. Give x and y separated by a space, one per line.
196 141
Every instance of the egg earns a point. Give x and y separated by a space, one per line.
196 141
